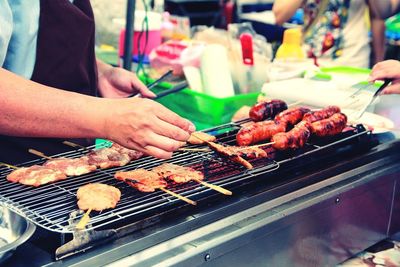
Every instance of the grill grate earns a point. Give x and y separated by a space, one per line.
51 205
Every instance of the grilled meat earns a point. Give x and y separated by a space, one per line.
71 167
142 180
35 175
199 138
178 174
291 116
236 153
267 110
322 114
97 197
114 156
330 126
259 131
295 138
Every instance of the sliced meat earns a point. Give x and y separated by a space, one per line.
108 157
35 175
199 138
98 197
141 179
71 167
178 174
133 154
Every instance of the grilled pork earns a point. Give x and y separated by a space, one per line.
114 156
142 180
178 174
97 197
71 167
35 175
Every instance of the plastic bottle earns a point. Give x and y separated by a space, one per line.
291 49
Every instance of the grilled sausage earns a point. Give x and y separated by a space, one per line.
330 126
295 138
322 114
267 110
291 116
258 131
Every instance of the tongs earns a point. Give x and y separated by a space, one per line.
374 96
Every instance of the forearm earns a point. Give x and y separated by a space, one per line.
31 109
285 9
378 39
384 8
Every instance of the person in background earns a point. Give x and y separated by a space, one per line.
388 69
50 81
336 31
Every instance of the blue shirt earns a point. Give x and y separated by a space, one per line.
19 24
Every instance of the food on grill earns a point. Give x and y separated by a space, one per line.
295 138
98 197
291 116
322 114
71 167
267 109
178 174
35 175
114 156
142 180
330 126
199 138
259 131
236 153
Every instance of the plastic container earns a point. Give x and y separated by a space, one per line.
290 49
154 33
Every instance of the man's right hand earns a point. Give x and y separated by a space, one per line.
388 69
145 125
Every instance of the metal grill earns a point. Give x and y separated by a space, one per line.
50 206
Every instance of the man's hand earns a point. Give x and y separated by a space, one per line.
117 82
388 69
145 125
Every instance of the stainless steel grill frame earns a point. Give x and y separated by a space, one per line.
50 206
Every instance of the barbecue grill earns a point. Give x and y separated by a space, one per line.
156 228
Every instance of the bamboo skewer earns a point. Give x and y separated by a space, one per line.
214 187
38 153
179 196
84 220
9 166
295 103
265 144
71 144
194 149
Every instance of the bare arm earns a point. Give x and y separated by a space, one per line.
384 8
285 9
31 109
378 37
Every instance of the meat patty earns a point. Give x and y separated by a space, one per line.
141 179
178 174
71 167
35 175
199 138
98 196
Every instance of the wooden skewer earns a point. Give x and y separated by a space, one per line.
265 144
68 143
214 187
194 149
179 196
84 220
295 103
9 166
38 153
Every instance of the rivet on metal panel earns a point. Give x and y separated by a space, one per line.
207 257
337 200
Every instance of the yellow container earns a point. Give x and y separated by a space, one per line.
291 45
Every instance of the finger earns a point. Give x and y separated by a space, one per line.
163 143
173 118
171 131
141 88
157 153
392 89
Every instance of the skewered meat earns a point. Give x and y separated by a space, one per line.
331 126
236 154
291 116
35 175
178 174
199 138
259 131
71 167
322 114
142 180
295 138
114 156
97 197
267 109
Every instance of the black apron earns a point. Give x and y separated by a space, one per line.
65 59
